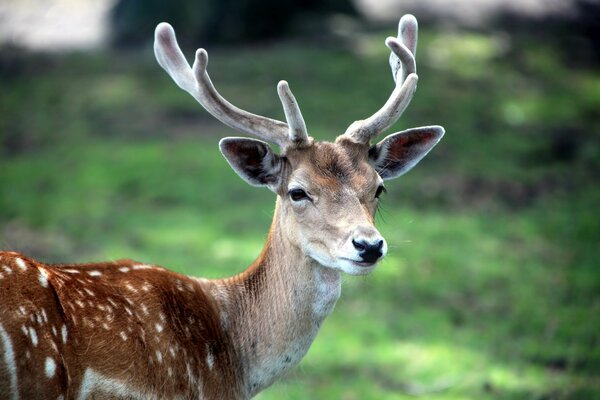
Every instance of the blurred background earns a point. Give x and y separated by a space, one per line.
491 289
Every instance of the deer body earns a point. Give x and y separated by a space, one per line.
127 330
87 329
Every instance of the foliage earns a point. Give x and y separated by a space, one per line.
210 21
491 289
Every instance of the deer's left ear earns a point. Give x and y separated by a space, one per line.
399 152
253 160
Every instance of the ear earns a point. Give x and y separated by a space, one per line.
399 152
253 160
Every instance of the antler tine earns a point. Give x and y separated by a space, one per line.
407 32
196 82
403 65
297 127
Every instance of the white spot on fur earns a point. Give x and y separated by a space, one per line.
123 336
7 269
210 360
124 269
94 273
159 356
145 309
159 328
130 287
54 331
172 351
72 271
10 362
105 387
43 277
89 292
80 303
24 330
146 287
142 266
21 264
190 375
64 333
33 335
44 315
50 367
22 310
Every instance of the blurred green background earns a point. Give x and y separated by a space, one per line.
491 289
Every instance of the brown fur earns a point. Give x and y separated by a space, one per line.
113 329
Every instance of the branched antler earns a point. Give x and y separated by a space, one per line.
196 82
402 62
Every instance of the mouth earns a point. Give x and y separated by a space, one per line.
362 264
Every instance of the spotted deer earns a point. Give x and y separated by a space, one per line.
127 330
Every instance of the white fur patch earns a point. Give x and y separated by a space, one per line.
142 266
64 333
210 360
98 384
21 264
72 271
33 335
43 277
50 367
10 362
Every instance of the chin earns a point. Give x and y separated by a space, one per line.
355 268
352 267
347 265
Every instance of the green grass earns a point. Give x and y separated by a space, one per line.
491 289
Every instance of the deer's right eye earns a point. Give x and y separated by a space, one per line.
298 195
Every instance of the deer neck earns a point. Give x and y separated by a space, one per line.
275 308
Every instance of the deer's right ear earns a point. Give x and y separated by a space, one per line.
253 160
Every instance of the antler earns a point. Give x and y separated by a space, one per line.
402 62
196 82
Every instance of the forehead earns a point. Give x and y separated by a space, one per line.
332 165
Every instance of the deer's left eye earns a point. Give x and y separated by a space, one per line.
298 195
381 189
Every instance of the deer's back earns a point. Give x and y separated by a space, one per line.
109 330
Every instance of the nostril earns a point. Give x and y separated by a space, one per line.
360 246
369 252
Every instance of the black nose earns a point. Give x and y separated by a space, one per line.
370 252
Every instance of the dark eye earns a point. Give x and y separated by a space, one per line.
298 194
381 189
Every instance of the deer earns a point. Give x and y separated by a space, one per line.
130 330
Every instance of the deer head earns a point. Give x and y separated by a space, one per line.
327 192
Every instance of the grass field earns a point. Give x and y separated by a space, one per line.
491 289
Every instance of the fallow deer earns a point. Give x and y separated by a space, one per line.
127 330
